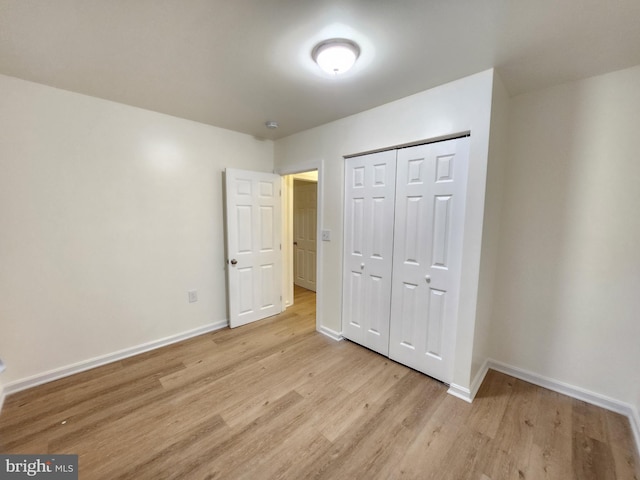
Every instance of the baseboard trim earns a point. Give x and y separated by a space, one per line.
62 372
634 419
593 398
561 387
332 334
460 392
479 378
468 394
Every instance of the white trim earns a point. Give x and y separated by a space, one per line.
462 393
634 420
417 143
332 334
593 398
479 378
58 373
468 394
561 387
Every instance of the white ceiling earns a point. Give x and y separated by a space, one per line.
237 63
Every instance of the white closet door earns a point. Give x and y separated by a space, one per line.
429 222
368 249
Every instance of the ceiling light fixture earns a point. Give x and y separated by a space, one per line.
335 56
271 124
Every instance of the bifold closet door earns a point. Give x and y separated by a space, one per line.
429 222
368 249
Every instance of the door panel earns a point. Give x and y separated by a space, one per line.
253 243
408 312
368 249
429 220
355 306
441 230
245 290
435 321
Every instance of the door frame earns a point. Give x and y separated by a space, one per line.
300 168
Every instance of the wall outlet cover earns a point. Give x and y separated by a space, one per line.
193 296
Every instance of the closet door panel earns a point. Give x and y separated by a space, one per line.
368 249
429 220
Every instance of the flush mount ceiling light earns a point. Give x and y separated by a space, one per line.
335 56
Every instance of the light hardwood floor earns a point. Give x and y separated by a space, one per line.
275 399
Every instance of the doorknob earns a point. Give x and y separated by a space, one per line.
362 266
295 243
233 261
427 278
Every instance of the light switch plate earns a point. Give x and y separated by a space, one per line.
326 235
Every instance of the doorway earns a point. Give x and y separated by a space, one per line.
300 194
305 207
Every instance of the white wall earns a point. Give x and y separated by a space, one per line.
109 215
1 384
567 297
498 143
459 106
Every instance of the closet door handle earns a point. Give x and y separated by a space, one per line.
427 278
362 266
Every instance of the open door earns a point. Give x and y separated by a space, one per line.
304 233
254 262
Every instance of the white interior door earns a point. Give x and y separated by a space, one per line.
253 245
368 247
304 233
429 222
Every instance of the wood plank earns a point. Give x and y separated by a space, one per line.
490 403
516 431
81 412
426 456
592 459
356 449
384 376
552 437
589 420
275 399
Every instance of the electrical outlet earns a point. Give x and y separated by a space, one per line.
326 235
193 296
